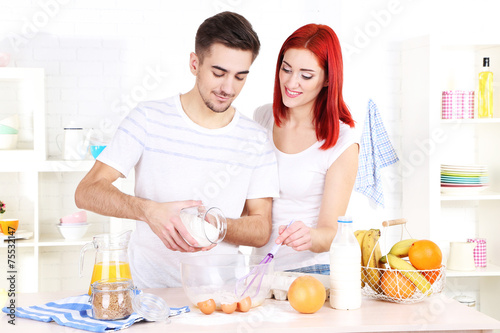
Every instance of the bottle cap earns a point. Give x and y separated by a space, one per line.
486 62
345 219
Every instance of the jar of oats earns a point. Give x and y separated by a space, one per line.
112 299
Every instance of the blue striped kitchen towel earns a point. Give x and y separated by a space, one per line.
76 312
376 152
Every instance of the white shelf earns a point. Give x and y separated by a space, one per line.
65 166
55 240
471 121
22 161
490 270
19 243
486 195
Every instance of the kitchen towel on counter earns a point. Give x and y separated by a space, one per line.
376 152
76 312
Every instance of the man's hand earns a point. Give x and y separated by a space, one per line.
164 221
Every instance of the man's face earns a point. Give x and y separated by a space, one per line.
221 76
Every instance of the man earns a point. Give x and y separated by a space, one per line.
188 149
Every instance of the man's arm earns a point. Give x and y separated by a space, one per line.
253 229
97 193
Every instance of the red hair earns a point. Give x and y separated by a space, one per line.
329 106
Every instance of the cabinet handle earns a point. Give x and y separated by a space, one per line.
393 222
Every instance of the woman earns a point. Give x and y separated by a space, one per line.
316 148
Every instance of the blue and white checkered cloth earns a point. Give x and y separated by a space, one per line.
76 312
376 152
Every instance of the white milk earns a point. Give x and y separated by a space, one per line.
200 230
345 268
345 276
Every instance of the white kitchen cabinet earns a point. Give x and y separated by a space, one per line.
39 191
431 65
23 93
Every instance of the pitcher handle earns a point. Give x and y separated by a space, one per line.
82 255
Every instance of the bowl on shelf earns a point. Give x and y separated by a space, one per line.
4 59
8 141
11 121
8 226
77 217
218 276
74 231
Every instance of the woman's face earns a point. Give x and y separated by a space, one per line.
301 78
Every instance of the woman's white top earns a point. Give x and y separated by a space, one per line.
302 179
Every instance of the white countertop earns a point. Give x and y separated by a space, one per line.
435 314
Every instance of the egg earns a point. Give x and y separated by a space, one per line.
207 307
245 304
228 307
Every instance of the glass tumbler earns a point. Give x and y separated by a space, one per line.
206 225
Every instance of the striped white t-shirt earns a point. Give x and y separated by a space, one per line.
176 159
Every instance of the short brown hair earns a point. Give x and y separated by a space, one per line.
231 30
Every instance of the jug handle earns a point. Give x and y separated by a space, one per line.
82 255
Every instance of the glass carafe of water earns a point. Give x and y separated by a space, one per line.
111 259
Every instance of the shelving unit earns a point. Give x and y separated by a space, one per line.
33 185
430 65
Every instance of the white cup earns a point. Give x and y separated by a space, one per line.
461 257
75 144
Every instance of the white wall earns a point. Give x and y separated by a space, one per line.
103 56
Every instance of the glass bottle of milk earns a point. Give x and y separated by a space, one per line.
345 268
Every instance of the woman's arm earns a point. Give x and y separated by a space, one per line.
339 183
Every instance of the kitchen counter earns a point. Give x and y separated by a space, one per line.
436 314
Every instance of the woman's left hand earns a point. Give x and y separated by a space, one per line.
297 236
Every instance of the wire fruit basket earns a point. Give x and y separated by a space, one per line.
397 281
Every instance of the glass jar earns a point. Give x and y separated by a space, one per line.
115 299
112 299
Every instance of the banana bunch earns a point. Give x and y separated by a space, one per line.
370 257
400 249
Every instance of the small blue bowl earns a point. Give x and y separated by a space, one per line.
96 150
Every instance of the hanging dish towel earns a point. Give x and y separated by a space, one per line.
76 312
376 152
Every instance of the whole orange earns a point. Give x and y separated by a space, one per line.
306 294
432 275
425 254
395 285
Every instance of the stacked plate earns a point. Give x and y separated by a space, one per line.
463 178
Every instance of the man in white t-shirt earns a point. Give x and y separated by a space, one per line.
189 149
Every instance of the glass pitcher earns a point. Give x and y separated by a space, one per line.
111 260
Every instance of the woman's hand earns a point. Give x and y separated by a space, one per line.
297 236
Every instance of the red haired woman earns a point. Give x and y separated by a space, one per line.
316 148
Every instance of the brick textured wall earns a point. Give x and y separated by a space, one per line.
102 57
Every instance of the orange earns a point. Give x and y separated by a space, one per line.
432 275
425 254
395 285
306 294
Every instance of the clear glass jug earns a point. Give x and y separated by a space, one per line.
111 259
